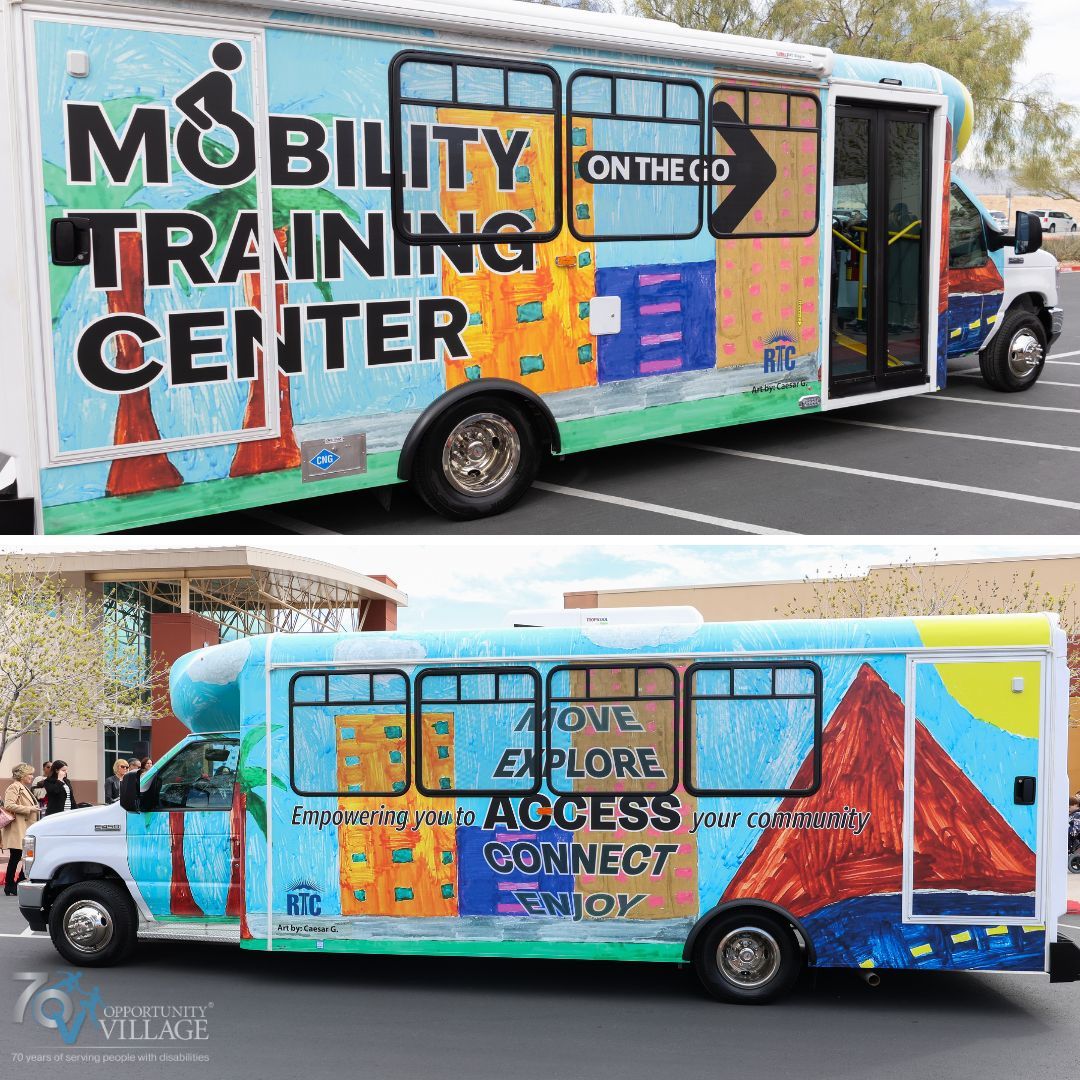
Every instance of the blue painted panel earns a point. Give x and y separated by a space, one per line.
668 320
483 892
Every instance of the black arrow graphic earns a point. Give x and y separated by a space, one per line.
752 169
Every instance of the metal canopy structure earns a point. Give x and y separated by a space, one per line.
244 590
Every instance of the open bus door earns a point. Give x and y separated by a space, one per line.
881 201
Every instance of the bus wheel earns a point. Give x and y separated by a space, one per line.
749 959
93 924
1015 357
478 458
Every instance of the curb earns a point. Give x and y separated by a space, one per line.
1069 268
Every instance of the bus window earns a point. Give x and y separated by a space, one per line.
199 777
475 147
634 144
612 729
967 239
772 143
348 733
753 728
477 732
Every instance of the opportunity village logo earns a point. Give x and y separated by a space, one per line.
778 352
78 1014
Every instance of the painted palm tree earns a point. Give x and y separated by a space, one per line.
135 423
282 452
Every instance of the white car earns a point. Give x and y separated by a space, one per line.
1055 221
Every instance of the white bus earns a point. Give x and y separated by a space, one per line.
751 798
265 251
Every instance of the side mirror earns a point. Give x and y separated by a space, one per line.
1027 235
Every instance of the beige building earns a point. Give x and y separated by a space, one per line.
168 601
935 585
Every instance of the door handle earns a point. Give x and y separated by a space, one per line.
70 241
1024 791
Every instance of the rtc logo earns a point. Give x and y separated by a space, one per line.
778 354
303 898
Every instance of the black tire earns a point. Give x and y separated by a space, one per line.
1074 864
999 366
77 907
780 958
1053 227
498 424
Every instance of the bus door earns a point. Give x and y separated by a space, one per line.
878 310
972 791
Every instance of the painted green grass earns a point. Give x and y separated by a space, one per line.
660 952
209 497
270 489
681 417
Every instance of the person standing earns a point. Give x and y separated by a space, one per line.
58 793
133 778
38 786
112 783
20 804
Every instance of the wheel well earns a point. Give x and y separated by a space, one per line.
72 873
543 421
1035 305
752 907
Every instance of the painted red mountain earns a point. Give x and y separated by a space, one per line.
961 841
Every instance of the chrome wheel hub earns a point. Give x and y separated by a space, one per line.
481 454
1025 353
748 957
88 926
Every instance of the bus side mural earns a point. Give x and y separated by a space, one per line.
875 791
251 300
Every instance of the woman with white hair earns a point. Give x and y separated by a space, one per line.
20 811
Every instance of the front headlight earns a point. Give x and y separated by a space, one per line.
29 843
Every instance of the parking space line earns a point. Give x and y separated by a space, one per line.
955 435
1063 363
1059 355
28 933
998 404
655 508
774 459
1041 382
295 525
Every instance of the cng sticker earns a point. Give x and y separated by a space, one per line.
325 459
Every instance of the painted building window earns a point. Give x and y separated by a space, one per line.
478 731
348 733
635 163
612 729
770 144
753 728
475 147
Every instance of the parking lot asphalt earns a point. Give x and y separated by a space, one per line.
965 460
280 1016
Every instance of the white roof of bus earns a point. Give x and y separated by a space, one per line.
548 25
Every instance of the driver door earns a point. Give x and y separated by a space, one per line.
184 845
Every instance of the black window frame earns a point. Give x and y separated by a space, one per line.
637 666
448 703
613 76
816 131
397 170
327 703
154 785
689 698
